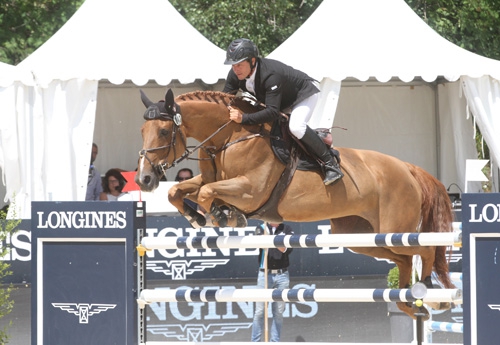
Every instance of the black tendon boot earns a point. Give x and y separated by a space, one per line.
317 147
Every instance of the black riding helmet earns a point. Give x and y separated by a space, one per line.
240 50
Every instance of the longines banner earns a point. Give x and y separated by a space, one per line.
85 272
481 268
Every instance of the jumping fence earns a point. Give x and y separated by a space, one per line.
418 293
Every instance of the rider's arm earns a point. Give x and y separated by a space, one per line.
273 94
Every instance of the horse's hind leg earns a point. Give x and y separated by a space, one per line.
427 255
427 265
405 266
404 263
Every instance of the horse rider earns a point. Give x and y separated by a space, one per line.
279 87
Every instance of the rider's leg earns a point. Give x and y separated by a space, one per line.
317 147
301 113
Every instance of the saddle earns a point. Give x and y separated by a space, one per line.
282 141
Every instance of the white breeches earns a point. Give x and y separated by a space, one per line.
301 114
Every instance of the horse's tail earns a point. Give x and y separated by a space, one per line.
437 216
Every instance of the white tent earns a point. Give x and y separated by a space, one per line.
83 86
104 44
5 74
401 84
5 78
127 39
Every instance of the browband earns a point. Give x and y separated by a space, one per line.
153 113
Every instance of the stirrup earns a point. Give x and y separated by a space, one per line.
332 175
332 179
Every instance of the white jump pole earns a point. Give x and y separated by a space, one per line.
295 295
451 327
305 241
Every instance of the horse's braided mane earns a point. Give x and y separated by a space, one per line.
207 96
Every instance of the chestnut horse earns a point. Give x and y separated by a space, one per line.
239 171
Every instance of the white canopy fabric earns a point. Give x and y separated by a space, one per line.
5 70
9 74
5 74
46 144
381 39
5 67
116 40
359 41
483 97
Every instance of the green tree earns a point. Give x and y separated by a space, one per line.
27 24
471 24
7 228
267 22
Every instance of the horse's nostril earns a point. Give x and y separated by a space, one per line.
147 179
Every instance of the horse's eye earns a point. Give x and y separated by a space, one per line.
164 132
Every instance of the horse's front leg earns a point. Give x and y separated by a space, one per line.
215 197
187 189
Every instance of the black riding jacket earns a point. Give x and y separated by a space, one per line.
277 85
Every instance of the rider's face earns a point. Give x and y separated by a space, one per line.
242 69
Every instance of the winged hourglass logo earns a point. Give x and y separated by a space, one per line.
84 310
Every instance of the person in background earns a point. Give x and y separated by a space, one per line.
279 87
94 184
112 185
183 175
277 278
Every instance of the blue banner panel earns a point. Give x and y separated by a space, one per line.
85 291
84 273
487 287
481 268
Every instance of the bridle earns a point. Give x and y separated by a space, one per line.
176 117
153 113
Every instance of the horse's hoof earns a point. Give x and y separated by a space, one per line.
222 221
440 305
420 311
413 311
198 222
241 221
427 282
236 219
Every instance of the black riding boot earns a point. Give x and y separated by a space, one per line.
318 148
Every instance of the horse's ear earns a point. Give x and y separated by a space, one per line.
145 99
169 99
